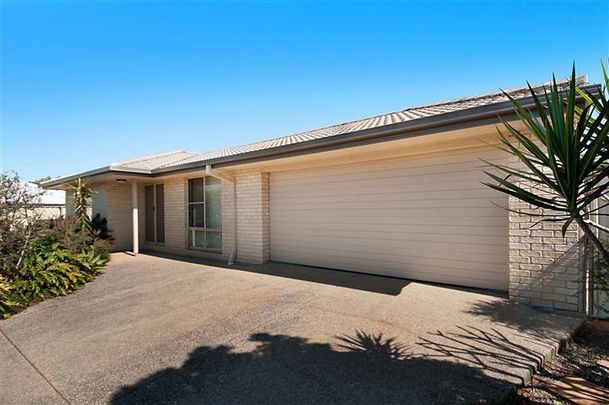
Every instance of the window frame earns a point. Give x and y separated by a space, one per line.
192 229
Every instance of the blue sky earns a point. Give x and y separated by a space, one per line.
84 85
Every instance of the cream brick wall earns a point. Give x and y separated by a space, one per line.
253 232
227 219
176 235
113 202
99 201
546 269
252 217
140 212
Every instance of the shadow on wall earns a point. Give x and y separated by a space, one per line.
362 368
560 281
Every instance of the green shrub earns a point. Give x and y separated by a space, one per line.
67 232
99 228
18 223
52 270
101 248
44 259
8 304
91 263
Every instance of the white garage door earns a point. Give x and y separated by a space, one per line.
426 218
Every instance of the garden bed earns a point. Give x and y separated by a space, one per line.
40 258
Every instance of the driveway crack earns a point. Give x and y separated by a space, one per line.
31 363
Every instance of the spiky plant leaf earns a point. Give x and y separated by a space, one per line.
564 151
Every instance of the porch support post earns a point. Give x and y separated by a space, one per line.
134 220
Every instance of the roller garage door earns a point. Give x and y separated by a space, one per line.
426 217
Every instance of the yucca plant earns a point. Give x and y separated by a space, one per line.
564 153
82 194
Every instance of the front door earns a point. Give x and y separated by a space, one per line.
154 207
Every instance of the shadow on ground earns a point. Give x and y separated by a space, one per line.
580 358
489 350
358 368
339 278
537 324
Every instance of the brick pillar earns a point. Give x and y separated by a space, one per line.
545 268
253 227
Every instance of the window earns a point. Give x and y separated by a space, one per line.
205 213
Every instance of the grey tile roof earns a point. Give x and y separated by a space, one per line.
159 161
177 158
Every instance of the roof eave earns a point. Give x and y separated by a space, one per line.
112 169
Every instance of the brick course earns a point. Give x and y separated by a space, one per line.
545 268
176 230
113 202
253 232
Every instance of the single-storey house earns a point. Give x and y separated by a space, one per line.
399 194
49 203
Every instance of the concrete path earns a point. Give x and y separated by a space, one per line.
156 330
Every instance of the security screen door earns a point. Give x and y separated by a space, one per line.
154 207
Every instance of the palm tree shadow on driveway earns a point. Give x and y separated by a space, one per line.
358 368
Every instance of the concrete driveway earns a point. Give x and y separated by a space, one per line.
156 330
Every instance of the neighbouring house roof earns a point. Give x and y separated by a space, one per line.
48 197
438 114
